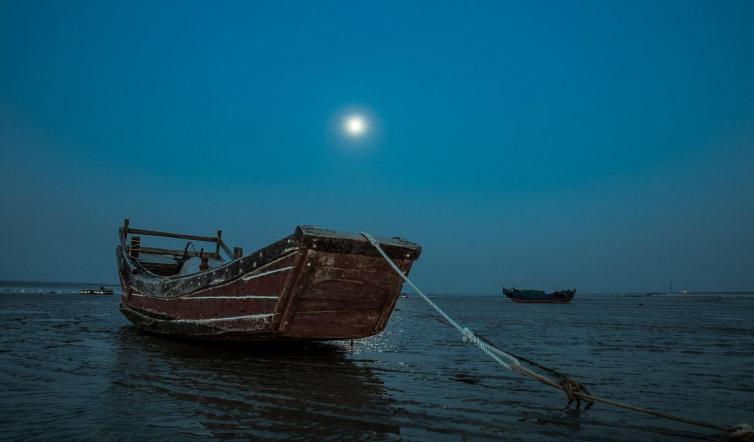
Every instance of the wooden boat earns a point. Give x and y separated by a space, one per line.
315 284
96 291
539 296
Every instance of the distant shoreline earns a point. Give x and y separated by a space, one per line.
706 292
6 283
10 283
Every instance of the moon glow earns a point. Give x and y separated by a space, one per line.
355 125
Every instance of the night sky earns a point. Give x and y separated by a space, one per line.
604 146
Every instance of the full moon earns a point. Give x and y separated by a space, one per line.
355 125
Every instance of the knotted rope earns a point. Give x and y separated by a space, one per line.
572 389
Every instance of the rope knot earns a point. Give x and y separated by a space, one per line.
740 432
574 390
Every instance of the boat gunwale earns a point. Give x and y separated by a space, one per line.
303 238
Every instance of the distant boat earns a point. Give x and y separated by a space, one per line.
94 291
539 296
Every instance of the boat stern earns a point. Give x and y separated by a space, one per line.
342 288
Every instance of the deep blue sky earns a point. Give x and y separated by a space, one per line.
596 145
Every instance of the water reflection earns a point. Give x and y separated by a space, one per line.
244 390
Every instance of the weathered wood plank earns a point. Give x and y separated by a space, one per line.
342 293
130 230
293 286
229 253
270 284
341 304
175 252
135 247
343 324
353 262
353 243
202 307
123 231
246 328
387 309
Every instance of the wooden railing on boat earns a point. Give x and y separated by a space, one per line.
135 246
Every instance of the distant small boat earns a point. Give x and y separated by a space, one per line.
99 291
539 296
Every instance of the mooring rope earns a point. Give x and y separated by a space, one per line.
572 389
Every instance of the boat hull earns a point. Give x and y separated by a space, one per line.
539 297
313 285
97 292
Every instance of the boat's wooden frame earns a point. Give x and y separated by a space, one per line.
315 284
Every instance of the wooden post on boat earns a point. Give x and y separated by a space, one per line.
124 231
127 230
218 241
204 265
237 252
135 247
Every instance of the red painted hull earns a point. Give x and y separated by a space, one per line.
313 285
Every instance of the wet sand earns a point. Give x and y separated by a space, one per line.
72 367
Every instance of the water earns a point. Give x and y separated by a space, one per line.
72 367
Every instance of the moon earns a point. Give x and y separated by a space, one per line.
355 125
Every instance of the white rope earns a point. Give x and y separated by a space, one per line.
468 335
741 432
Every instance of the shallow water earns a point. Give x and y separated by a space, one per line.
72 367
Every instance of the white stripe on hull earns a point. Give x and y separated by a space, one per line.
206 297
136 292
250 277
227 318
202 321
230 297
